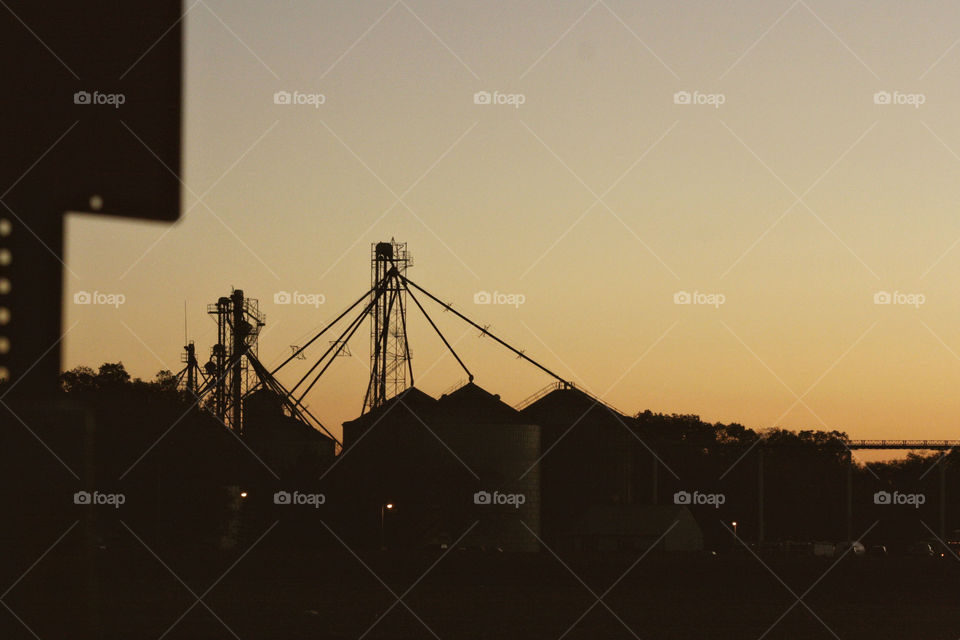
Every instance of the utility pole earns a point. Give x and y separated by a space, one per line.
850 499
943 499
760 495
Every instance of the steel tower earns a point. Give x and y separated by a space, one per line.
238 325
389 350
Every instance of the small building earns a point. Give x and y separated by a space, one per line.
634 528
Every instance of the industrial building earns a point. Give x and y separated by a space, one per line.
287 445
414 470
431 459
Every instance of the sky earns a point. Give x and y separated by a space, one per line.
781 166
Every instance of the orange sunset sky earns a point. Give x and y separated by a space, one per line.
814 166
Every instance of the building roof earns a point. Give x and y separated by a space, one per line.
566 404
471 403
410 403
265 416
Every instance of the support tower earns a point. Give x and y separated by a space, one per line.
238 325
389 350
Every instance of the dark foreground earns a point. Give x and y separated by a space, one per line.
281 593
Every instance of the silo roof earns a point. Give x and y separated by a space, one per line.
474 404
409 402
265 416
563 405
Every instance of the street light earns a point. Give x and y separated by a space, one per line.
734 523
388 506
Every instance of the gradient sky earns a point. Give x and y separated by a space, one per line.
598 199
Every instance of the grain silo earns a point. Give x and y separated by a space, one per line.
589 456
490 439
402 418
285 444
391 457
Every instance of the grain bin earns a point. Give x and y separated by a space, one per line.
589 457
391 456
493 451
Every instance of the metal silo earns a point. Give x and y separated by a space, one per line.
590 459
391 457
490 439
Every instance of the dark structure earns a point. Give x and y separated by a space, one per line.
433 460
190 377
389 350
287 445
591 455
234 372
230 370
497 443
634 528
391 457
60 108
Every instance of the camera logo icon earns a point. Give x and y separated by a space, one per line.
81 97
82 297
882 497
482 497
281 497
281 97
482 97
882 297
682 497
482 297
682 297
681 97
282 297
881 97
81 497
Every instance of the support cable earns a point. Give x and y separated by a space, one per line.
439 333
484 331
